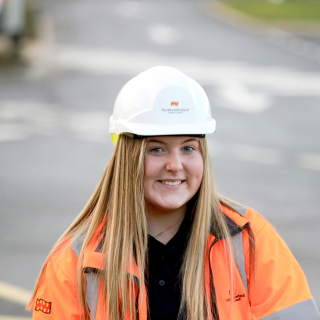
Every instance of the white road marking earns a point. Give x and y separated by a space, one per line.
241 87
309 161
162 35
14 294
89 126
269 81
264 156
20 120
295 44
258 154
238 97
12 132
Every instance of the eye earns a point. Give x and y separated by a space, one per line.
156 150
188 148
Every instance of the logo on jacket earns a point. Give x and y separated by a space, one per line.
174 103
42 305
237 297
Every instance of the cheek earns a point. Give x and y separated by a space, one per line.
152 169
196 172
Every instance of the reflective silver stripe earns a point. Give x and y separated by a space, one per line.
92 293
241 209
239 258
76 245
92 279
305 310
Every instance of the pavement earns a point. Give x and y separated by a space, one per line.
54 116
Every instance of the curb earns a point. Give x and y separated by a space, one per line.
232 16
228 15
288 36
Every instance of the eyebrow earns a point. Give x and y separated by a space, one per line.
187 140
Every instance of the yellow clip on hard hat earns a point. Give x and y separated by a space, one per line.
161 101
114 138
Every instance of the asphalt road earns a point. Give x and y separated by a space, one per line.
54 141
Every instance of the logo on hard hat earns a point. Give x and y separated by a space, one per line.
174 103
175 110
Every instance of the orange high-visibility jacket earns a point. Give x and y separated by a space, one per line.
278 292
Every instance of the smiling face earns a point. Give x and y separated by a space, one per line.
173 171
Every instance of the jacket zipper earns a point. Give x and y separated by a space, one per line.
214 309
136 280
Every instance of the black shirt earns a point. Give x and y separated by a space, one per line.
163 278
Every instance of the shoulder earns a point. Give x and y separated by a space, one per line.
270 248
256 229
63 263
257 221
66 255
243 216
57 286
283 287
264 233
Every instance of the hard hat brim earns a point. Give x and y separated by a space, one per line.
142 129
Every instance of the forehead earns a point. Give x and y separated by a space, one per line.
172 139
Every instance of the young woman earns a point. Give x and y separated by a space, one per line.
156 241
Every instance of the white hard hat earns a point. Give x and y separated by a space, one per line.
161 101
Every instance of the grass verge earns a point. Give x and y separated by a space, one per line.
289 10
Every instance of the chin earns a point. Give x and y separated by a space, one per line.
170 205
169 208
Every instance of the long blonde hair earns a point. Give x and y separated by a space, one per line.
120 197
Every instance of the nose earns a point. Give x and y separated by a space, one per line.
174 163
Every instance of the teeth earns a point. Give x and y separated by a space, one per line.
172 183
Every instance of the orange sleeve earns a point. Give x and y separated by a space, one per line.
280 288
57 294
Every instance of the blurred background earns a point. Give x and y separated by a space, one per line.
62 64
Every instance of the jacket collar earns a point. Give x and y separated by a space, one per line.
235 220
235 223
93 259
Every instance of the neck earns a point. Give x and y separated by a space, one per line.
163 225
